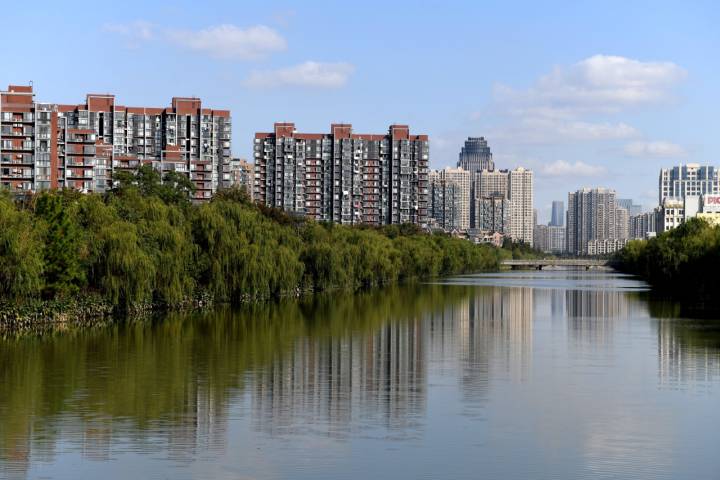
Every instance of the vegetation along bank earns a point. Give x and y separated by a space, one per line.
144 245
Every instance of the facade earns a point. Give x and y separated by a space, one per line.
450 198
344 177
632 208
47 145
622 223
541 238
591 215
556 239
643 226
475 155
520 192
606 246
549 238
491 183
688 180
239 173
671 214
487 184
492 214
558 214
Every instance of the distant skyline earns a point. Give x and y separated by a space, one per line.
585 94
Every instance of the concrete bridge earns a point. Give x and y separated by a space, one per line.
539 264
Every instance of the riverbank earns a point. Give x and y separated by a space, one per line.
145 247
682 262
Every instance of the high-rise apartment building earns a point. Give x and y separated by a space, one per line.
556 239
491 183
492 214
632 208
688 180
591 215
549 238
475 155
558 214
239 173
487 184
622 223
344 177
450 198
47 145
541 238
520 192
643 226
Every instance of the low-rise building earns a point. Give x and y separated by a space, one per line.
606 246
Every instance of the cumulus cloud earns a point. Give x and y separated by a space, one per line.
307 74
135 33
654 149
222 41
230 42
577 102
543 131
601 83
561 168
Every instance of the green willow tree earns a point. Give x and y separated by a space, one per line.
146 243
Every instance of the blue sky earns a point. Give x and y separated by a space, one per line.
584 93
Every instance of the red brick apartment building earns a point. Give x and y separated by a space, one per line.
45 145
344 177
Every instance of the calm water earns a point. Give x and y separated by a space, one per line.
520 375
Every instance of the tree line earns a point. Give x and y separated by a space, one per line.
685 259
145 243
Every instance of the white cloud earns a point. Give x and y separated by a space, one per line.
542 131
601 83
230 42
135 32
561 168
307 74
577 102
654 149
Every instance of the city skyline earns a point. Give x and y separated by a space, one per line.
603 110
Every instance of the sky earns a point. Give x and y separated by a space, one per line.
586 94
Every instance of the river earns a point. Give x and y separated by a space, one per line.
518 375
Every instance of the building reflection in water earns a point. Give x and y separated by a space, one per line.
335 366
592 314
379 378
688 353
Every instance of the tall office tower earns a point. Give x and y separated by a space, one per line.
520 192
556 239
591 215
688 180
632 208
450 198
622 223
558 214
493 214
644 225
79 146
475 155
344 177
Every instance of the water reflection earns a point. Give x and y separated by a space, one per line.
344 366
